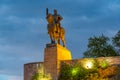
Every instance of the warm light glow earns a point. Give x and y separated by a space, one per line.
88 65
74 71
43 79
40 75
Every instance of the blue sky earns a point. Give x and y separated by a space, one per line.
23 29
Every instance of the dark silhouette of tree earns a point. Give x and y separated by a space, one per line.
116 41
99 47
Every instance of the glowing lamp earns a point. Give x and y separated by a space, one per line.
88 65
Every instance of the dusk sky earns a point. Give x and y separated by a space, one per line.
23 29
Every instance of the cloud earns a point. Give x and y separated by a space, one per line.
114 6
15 78
4 9
20 42
111 33
13 57
11 77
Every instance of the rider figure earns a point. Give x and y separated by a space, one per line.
57 18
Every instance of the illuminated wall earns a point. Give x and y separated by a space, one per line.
31 68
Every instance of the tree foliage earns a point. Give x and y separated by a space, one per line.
100 71
116 39
99 47
65 72
76 71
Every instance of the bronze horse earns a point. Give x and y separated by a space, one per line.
55 31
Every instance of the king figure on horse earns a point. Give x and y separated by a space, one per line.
55 31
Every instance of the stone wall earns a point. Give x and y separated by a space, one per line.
110 60
31 68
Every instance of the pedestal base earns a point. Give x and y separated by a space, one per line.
53 55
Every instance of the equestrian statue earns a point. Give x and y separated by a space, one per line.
55 31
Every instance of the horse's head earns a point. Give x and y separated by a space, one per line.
50 18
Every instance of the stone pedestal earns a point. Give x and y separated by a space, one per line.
53 55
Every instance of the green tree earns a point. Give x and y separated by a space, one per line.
116 41
65 72
77 71
99 47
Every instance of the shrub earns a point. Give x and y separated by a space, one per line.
103 64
